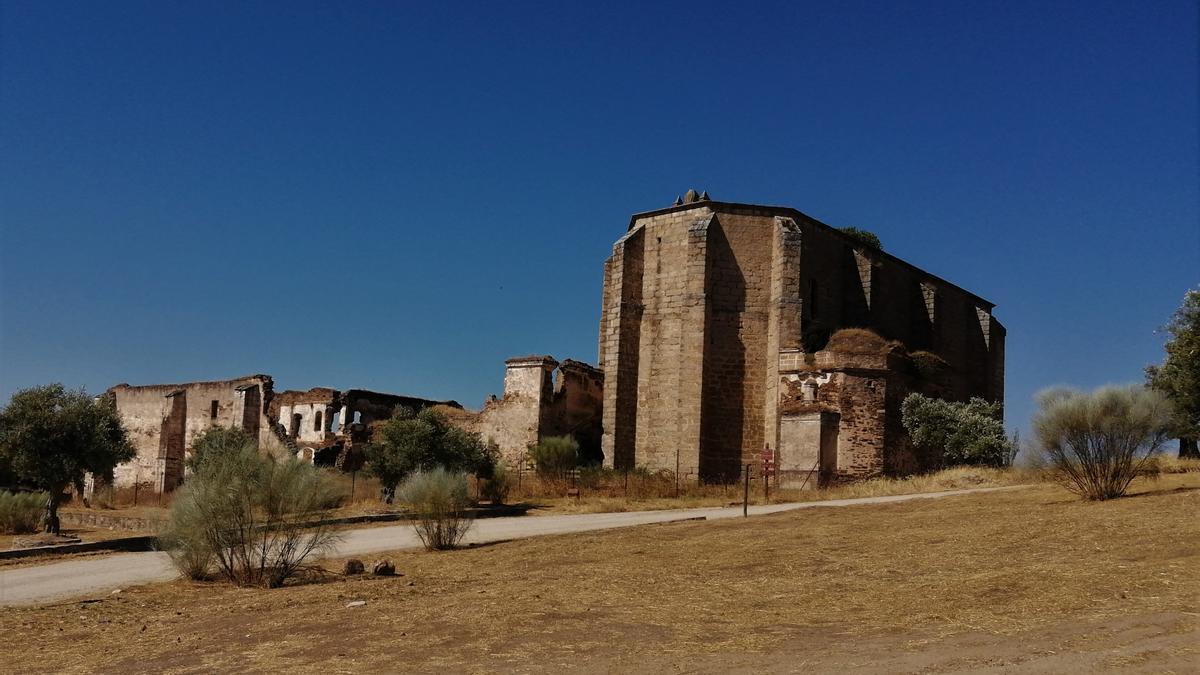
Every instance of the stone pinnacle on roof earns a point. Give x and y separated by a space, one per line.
691 196
678 201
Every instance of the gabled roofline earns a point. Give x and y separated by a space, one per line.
799 215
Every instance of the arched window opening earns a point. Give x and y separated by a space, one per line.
295 428
317 421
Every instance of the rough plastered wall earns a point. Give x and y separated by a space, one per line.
163 419
514 421
541 398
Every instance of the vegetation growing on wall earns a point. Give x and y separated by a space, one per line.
864 237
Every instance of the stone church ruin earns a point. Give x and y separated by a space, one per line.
728 332
715 345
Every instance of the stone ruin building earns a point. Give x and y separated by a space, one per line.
542 397
319 425
715 345
727 332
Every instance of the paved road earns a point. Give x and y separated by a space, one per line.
100 575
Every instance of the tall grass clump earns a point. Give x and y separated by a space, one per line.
1096 443
249 518
440 501
21 512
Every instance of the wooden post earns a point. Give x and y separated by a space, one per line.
746 494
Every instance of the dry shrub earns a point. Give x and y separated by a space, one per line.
21 512
250 517
1096 443
860 341
440 501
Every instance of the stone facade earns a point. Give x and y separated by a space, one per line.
542 397
164 419
711 312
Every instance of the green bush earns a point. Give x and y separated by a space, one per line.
247 517
1096 443
216 442
863 237
411 442
496 488
957 433
555 456
21 512
440 502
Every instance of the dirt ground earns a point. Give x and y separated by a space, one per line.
1030 580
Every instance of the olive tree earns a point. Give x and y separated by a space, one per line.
1179 374
411 442
53 437
1097 442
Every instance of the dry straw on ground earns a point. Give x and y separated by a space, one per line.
908 576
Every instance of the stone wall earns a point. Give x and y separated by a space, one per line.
542 398
700 301
163 419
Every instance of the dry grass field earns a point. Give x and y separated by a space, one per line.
1032 577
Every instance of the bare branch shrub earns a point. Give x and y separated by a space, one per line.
1096 443
440 501
250 518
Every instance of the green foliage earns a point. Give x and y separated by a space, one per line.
218 442
52 438
1179 375
247 516
440 501
1097 442
20 512
957 433
863 237
496 488
408 443
555 456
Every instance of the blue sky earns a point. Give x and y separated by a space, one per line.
398 196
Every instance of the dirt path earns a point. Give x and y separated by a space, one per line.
101 575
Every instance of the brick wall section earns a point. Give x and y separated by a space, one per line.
699 301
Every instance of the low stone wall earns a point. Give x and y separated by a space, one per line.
110 521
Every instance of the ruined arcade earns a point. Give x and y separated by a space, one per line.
715 344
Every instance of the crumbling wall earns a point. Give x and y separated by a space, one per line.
542 398
162 420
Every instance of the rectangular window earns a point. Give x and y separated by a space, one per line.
212 411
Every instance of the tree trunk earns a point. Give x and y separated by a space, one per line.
1188 449
50 521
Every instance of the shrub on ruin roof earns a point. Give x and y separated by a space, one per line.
861 341
863 237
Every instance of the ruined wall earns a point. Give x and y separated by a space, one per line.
701 299
542 398
163 419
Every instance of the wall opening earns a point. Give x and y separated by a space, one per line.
294 430
357 417
317 421
212 411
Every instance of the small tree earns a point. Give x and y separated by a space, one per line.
249 516
411 442
218 442
555 456
957 433
53 438
440 501
1179 375
1096 443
